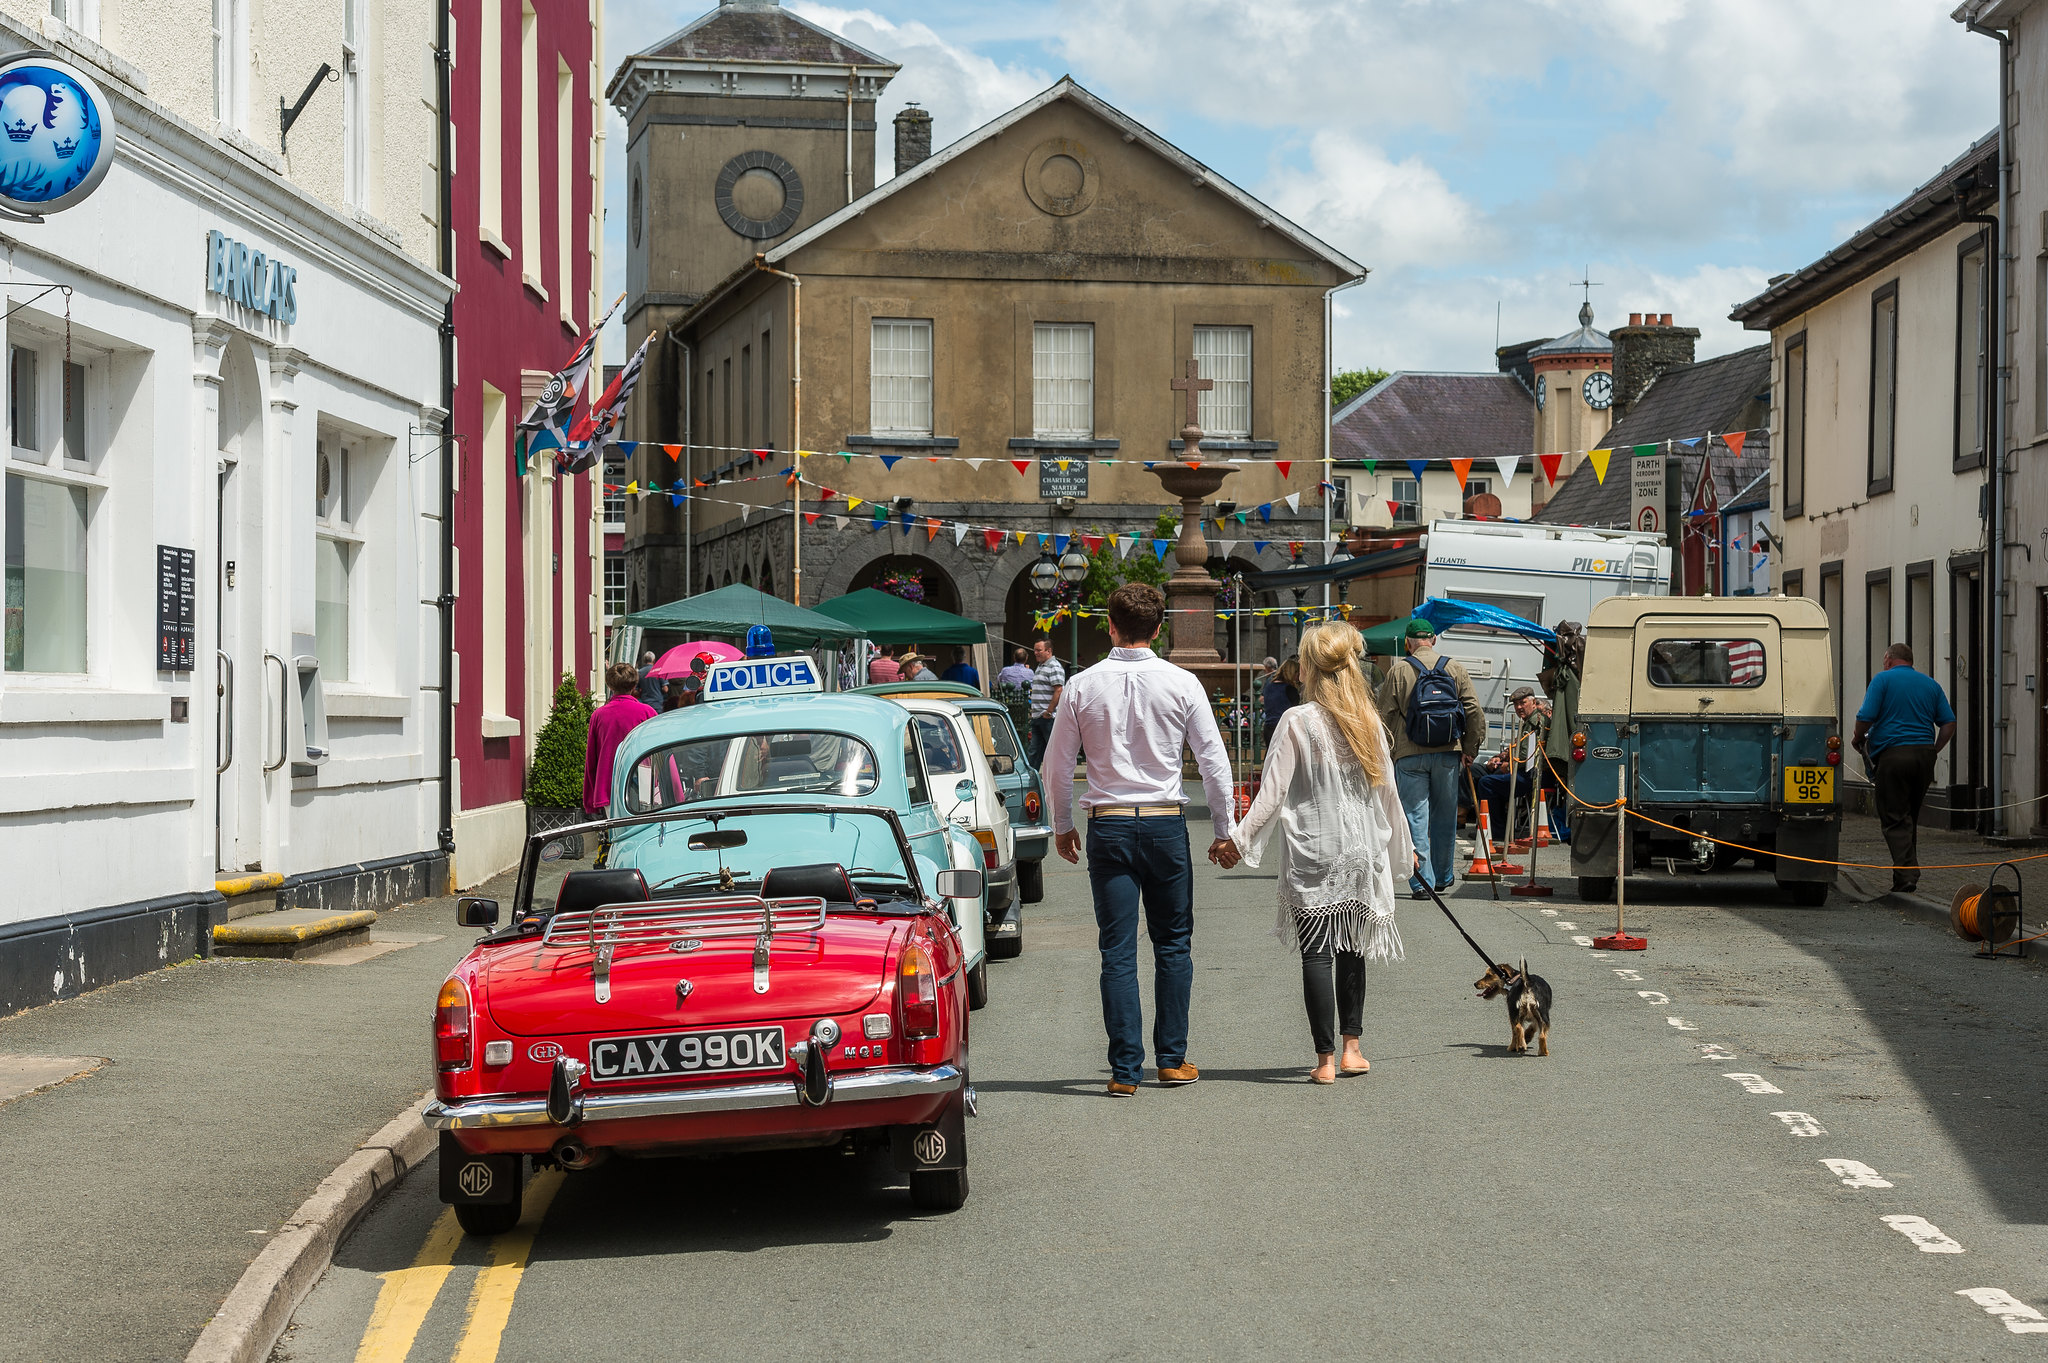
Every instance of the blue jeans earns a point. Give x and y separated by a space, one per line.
1428 783
1132 861
1493 792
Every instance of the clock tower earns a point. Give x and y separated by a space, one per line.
1574 380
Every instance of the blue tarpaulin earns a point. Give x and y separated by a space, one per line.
1446 613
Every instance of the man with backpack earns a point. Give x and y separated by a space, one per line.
1434 716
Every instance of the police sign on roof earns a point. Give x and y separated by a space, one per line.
762 677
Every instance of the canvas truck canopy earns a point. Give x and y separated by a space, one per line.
1744 655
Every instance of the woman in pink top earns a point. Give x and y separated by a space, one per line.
609 725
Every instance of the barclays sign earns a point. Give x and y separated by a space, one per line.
58 137
248 277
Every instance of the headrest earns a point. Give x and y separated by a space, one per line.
826 880
585 890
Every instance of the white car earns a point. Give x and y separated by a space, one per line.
964 792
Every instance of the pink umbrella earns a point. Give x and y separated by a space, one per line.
676 662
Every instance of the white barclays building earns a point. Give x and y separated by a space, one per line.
222 538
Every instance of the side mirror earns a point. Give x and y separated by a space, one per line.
475 912
965 789
959 884
1002 764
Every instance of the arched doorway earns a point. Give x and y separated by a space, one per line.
1085 640
239 597
939 591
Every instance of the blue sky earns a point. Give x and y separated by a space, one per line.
1476 154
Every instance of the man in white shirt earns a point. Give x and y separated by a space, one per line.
1134 712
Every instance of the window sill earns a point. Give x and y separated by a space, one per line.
904 442
63 705
366 705
495 242
1233 446
499 726
534 287
1081 443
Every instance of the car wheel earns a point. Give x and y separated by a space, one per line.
1009 946
488 1218
1807 894
1596 889
977 987
1031 881
939 1190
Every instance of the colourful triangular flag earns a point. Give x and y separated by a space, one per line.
1509 465
1416 467
993 539
1259 546
931 529
959 533
1266 511
1641 450
1159 548
1283 465
1733 440
1093 544
974 464
1060 543
839 522
1293 500
810 518
1021 465
1371 465
1463 468
1550 463
1124 544
888 460
1599 458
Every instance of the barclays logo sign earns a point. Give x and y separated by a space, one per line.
59 136
248 277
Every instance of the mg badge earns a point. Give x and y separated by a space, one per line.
686 944
475 1178
683 990
929 1147
544 1051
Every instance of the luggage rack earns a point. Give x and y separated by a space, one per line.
603 929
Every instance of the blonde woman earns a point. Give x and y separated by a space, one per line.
1329 787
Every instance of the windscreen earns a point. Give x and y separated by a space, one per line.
1735 663
695 854
752 764
995 734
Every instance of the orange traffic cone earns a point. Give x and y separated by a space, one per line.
1480 865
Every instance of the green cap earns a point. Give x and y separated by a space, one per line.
1421 629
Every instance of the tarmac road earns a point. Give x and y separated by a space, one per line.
1624 1198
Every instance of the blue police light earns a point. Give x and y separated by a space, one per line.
760 643
744 677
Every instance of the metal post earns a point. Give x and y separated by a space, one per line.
1621 849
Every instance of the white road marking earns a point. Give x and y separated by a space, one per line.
1583 940
1756 1083
2019 1317
1653 996
1568 927
1682 1025
1852 1174
1800 1124
1548 913
1635 975
1924 1234
1715 1051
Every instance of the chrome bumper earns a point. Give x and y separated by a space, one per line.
1033 841
854 1087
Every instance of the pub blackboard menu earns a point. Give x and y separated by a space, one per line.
174 600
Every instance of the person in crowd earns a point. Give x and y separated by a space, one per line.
649 687
1047 680
917 667
609 725
1280 693
1560 680
883 667
1429 705
1018 673
1530 713
962 671
1901 727
1136 712
1329 789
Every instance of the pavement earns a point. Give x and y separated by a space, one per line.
1778 1133
155 1134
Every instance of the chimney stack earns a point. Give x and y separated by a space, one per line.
1648 346
913 137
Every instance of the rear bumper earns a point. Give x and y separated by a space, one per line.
1002 890
850 1090
1033 841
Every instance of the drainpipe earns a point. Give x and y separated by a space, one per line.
852 74
1996 437
796 420
689 465
450 449
1329 415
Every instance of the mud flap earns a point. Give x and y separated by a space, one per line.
942 1145
478 1180
1816 838
1593 844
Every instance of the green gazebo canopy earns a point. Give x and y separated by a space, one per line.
730 612
890 619
1386 636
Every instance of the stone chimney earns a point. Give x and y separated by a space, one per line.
1648 346
914 138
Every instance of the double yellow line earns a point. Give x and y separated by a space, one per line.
409 1294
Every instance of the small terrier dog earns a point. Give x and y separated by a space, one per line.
1528 1005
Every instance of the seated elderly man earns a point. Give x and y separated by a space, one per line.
1492 778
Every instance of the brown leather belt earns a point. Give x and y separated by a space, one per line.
1137 812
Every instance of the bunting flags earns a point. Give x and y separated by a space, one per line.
993 539
1550 463
1463 468
547 420
1283 465
1021 465
1159 548
1509 465
974 464
1599 458
1416 467
606 411
1642 451
889 461
1293 500
1733 440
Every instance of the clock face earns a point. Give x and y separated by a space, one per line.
1599 390
1542 390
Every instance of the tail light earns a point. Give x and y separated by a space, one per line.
1578 754
451 1026
1031 805
1834 742
917 992
987 838
1834 758
1579 740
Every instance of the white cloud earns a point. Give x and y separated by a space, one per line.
1378 211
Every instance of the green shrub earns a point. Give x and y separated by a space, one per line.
556 779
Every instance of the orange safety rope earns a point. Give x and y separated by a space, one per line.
1820 861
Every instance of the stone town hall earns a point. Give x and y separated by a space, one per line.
1025 293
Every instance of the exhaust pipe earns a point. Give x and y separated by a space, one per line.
571 1153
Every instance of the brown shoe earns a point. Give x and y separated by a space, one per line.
1117 1090
1182 1073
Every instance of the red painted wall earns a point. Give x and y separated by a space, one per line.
501 329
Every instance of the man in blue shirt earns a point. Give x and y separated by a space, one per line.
1904 722
962 671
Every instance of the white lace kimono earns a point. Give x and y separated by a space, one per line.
1342 839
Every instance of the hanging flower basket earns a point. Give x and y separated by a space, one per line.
906 586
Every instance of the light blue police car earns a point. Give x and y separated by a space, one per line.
766 733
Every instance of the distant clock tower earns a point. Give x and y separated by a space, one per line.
1574 396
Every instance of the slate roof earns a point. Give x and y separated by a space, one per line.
760 31
1587 340
1728 393
1420 415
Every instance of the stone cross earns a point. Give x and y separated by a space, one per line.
1194 383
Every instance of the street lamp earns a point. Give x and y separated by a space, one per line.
1073 570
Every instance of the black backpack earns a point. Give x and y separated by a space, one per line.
1436 716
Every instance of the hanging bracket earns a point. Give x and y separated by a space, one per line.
288 116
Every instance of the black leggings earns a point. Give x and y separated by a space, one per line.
1347 999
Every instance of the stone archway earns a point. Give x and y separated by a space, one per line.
940 591
1071 640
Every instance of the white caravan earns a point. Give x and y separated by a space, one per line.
1544 573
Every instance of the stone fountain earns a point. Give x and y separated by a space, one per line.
1191 592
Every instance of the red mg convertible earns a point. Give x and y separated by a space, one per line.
743 976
